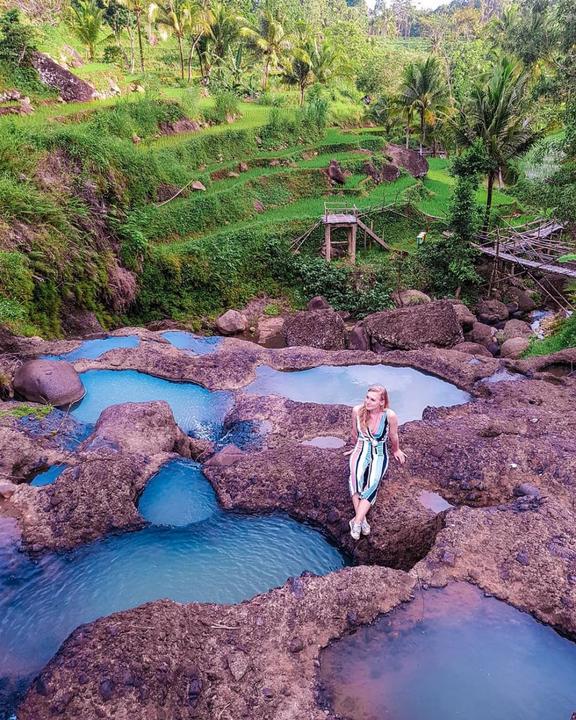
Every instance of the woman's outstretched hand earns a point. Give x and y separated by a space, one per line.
400 455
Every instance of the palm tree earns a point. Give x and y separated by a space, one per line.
497 114
198 27
85 20
223 30
269 40
137 7
423 91
298 69
172 18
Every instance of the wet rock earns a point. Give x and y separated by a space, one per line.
70 87
516 329
318 303
54 382
358 338
408 159
466 317
323 329
232 322
472 348
415 326
335 173
515 347
491 312
410 297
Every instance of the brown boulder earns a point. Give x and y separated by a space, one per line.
370 169
198 186
516 329
179 126
415 326
514 347
77 322
408 159
491 312
522 299
402 298
270 332
146 428
70 87
466 317
232 322
318 303
472 348
335 173
358 338
53 382
316 328
390 172
481 333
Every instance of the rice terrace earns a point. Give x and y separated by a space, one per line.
287 360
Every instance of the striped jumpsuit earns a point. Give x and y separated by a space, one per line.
369 460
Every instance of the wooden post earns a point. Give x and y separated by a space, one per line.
327 243
352 243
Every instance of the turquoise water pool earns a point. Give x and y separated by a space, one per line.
452 654
198 411
410 391
195 552
48 476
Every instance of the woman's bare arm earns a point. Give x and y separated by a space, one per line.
394 439
354 430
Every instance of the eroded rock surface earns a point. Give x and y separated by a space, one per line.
252 660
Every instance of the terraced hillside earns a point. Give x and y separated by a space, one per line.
110 186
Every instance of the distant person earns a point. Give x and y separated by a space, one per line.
372 423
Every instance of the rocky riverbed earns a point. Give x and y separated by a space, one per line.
506 461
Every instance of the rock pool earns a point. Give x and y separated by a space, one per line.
197 344
48 476
196 552
410 390
452 654
198 411
93 349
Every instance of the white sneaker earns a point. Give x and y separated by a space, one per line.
365 527
355 529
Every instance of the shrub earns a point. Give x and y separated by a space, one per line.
113 55
226 104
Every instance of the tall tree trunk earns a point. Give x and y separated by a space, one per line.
193 45
491 178
132 53
422 130
302 88
181 51
266 72
407 133
139 30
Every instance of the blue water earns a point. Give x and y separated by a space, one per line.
48 476
452 654
218 557
62 430
178 495
197 344
198 411
409 391
92 349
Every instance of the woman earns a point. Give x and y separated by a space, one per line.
372 423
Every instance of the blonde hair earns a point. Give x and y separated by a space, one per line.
384 404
